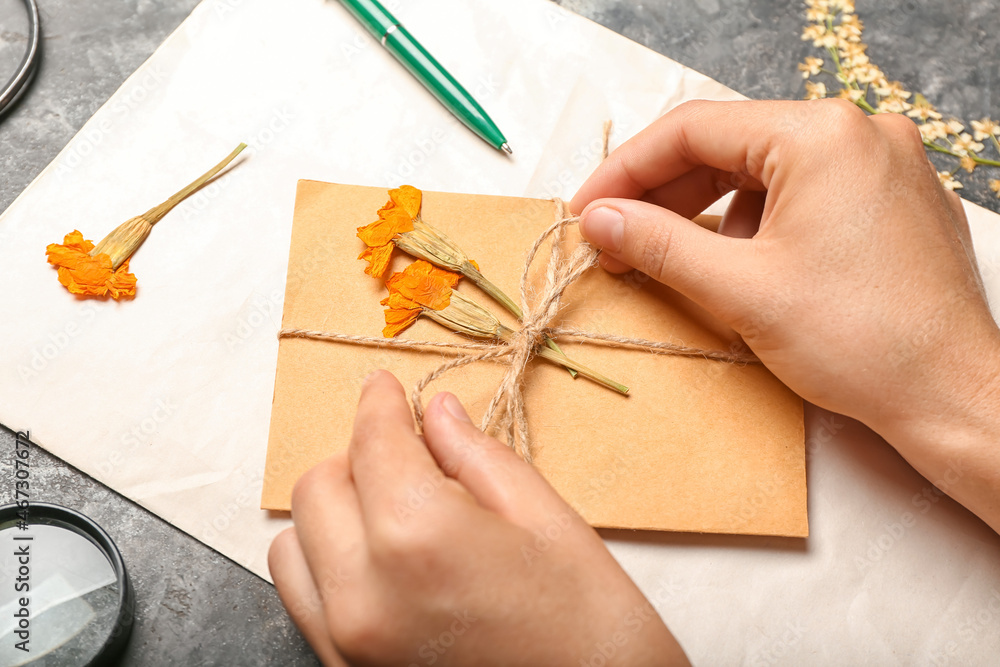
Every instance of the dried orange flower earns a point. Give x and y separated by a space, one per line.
89 275
396 217
399 225
423 289
420 286
102 270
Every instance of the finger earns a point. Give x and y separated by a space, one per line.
736 138
612 265
742 217
491 472
300 596
328 524
692 192
710 269
388 459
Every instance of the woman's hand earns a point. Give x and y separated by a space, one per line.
449 549
858 287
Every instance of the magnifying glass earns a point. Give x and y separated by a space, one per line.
65 597
26 69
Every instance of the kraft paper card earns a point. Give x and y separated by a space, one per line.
697 445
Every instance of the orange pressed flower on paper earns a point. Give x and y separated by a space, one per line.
396 217
102 270
89 275
421 285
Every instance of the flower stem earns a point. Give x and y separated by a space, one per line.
863 103
154 214
941 149
563 360
473 274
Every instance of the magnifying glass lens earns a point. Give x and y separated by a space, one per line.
61 597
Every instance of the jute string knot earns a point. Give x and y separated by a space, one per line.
506 413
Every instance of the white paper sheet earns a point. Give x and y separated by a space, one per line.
166 398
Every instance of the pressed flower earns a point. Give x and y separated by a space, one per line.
400 225
948 180
936 129
87 275
421 286
102 270
852 94
853 54
955 127
817 14
396 217
893 105
815 90
423 289
965 144
865 73
995 186
985 128
811 66
923 109
816 33
850 28
967 163
892 89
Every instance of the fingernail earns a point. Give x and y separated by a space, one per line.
604 227
455 409
368 378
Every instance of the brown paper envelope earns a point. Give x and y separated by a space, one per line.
697 445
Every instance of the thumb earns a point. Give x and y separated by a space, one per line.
489 470
708 268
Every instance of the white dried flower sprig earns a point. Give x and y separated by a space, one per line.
835 27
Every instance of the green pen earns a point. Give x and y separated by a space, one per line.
398 41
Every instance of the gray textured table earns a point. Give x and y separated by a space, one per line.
195 607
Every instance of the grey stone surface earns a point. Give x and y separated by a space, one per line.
195 607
